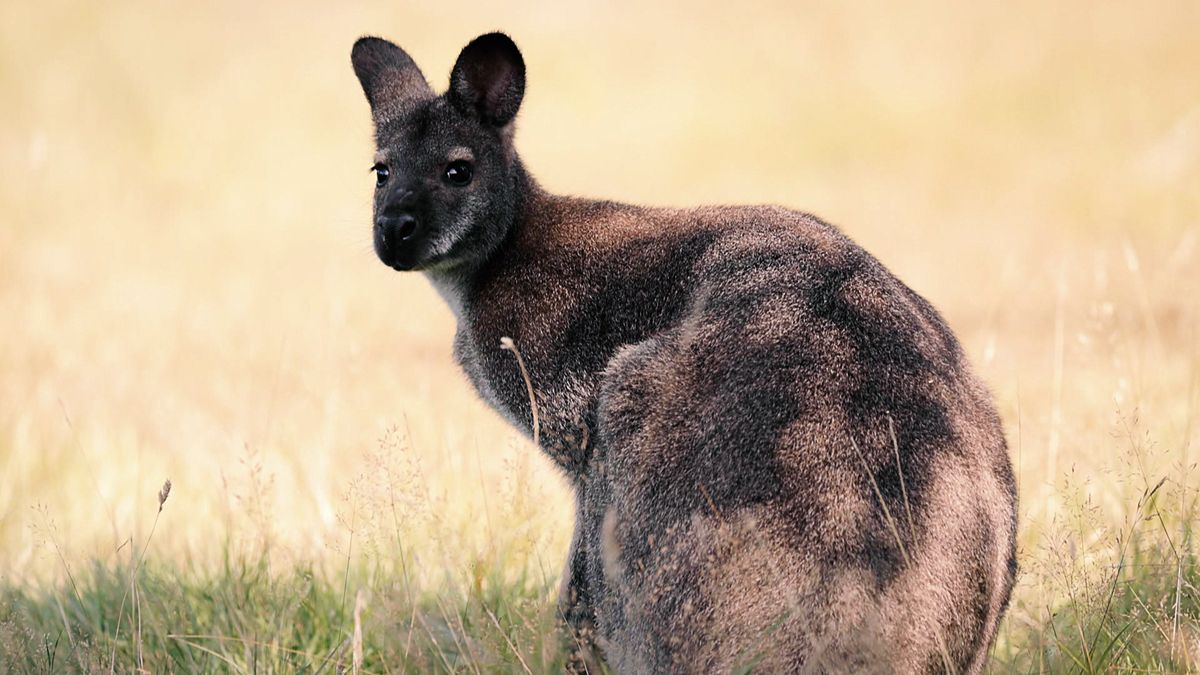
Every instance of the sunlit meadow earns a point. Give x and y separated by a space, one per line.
188 292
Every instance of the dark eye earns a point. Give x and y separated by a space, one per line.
458 173
381 174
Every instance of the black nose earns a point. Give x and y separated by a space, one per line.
402 227
398 205
396 228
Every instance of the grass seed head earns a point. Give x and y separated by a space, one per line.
163 494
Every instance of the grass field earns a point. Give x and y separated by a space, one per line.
188 292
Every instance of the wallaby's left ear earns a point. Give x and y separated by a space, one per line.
387 74
488 79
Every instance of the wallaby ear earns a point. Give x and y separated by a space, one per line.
388 75
488 79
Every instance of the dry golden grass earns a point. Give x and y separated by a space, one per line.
188 291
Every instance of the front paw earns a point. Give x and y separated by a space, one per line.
584 655
578 621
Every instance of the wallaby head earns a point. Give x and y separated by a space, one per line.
447 179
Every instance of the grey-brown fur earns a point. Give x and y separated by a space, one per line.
781 458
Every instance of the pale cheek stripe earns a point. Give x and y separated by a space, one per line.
462 225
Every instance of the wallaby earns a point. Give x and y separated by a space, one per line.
781 459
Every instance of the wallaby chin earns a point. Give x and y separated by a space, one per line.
780 455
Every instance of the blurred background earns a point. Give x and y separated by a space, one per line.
187 287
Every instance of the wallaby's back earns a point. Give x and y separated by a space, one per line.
791 465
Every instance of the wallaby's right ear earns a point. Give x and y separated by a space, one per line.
488 79
388 75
